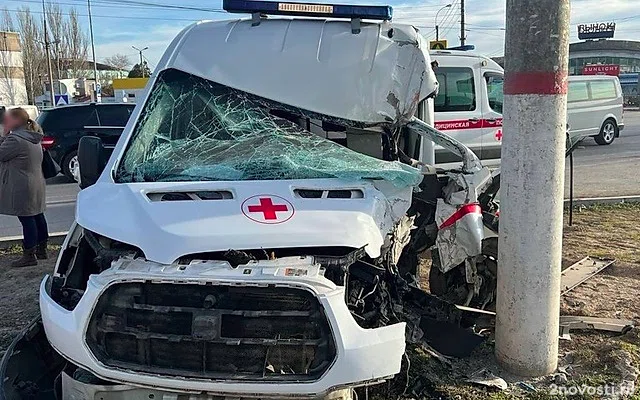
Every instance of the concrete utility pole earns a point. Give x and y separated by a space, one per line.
463 38
141 58
46 49
532 185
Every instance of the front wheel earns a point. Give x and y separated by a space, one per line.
608 133
452 285
71 167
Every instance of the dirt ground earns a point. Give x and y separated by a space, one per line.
589 359
19 294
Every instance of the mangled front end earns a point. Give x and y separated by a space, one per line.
273 328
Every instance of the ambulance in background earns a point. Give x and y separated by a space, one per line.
469 103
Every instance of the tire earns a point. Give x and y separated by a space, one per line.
69 164
608 133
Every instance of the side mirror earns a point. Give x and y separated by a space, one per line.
92 160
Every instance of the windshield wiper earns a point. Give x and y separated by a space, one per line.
177 177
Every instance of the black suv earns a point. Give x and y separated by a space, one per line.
64 126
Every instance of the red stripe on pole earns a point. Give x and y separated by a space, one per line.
535 83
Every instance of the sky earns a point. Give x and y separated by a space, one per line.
120 24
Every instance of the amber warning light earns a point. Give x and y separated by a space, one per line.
383 13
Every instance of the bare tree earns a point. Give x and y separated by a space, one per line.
69 45
56 26
119 61
33 56
6 22
76 46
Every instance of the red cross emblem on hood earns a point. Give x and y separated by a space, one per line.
267 209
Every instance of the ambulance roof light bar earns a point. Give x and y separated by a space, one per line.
354 12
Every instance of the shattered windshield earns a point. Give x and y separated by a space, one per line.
192 129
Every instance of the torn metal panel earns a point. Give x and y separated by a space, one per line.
316 65
582 271
470 162
486 378
460 240
570 322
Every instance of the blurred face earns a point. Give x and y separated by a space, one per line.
10 122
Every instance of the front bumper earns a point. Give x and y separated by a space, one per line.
363 356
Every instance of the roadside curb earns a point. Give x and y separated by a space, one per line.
10 241
589 201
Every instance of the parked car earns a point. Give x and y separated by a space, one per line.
64 126
595 107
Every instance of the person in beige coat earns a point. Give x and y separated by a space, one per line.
22 184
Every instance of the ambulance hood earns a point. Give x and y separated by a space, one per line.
378 75
170 220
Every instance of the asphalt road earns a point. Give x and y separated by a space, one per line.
61 206
599 171
603 171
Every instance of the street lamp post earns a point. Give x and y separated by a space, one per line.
436 21
96 92
52 94
141 58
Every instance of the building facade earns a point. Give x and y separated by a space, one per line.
13 90
623 53
612 57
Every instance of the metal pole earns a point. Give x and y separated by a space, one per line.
46 49
141 58
436 20
532 185
571 189
427 147
96 96
463 38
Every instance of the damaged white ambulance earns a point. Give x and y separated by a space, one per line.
255 231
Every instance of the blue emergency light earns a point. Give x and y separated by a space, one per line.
383 13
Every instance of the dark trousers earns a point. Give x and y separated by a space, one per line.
34 230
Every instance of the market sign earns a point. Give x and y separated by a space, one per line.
601 69
602 30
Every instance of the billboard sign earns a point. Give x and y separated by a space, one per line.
601 69
598 30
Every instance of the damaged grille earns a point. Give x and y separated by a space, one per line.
214 332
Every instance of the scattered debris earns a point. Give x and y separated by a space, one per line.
526 386
435 354
450 339
484 377
560 379
570 322
582 271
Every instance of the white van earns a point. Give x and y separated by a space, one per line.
595 107
469 103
